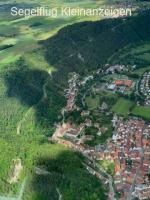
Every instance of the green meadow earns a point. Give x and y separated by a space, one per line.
122 107
142 111
108 166
24 33
92 102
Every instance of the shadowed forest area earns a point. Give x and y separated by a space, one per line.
88 45
36 88
70 178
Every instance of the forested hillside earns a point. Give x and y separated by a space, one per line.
79 47
90 44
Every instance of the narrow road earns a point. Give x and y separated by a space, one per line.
60 195
26 114
63 115
132 187
19 197
22 120
96 169
101 172
110 179
22 189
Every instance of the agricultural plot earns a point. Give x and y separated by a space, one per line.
26 32
142 111
122 107
92 102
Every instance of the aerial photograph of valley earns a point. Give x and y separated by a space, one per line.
75 100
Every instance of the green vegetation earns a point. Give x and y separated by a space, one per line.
123 107
99 136
141 70
95 100
94 42
92 102
142 111
109 98
70 177
33 75
108 166
24 33
133 54
30 101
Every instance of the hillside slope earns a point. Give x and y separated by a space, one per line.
90 44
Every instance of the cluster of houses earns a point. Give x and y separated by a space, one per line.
75 133
145 87
115 68
120 85
71 92
131 148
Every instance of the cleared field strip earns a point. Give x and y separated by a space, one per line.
19 197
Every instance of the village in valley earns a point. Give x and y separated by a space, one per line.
75 100
116 145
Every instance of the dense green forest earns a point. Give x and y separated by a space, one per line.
66 173
36 88
90 44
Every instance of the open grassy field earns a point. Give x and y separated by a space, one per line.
24 34
92 102
108 166
142 111
122 107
